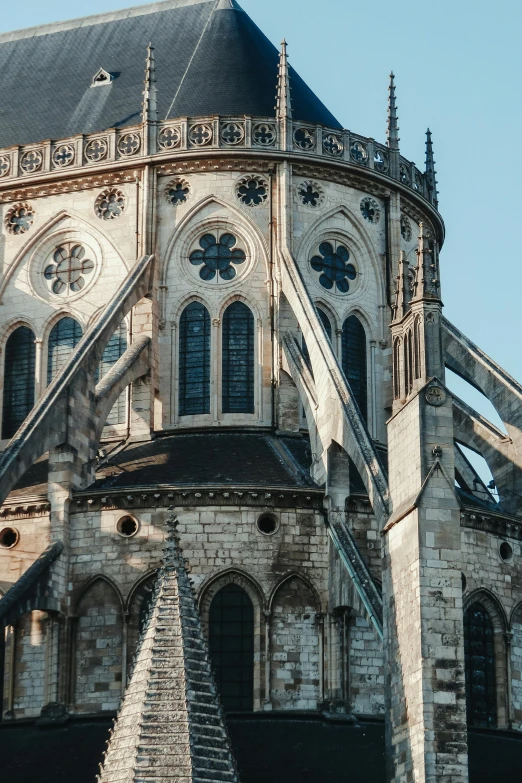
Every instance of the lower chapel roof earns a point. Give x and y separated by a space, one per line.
293 749
211 59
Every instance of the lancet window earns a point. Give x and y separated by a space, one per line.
63 339
238 359
194 360
19 379
479 654
354 361
116 347
231 643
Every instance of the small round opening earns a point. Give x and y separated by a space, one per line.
464 581
9 537
506 552
267 524
127 527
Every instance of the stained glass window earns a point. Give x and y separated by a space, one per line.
65 336
336 269
231 642
19 379
326 323
479 656
238 359
194 360
354 361
116 347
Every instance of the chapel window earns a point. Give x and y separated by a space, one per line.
231 644
479 656
194 360
19 379
354 361
334 263
63 339
238 359
116 347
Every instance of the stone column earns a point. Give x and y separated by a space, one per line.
422 596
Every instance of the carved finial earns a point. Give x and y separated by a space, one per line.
393 127
430 172
284 100
427 284
150 103
403 290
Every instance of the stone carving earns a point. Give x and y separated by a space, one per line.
310 193
333 145
110 204
96 150
129 144
405 228
200 135
68 269
264 134
5 165
19 218
169 138
380 161
217 257
358 152
304 139
232 133
333 264
31 161
435 395
370 210
177 191
63 156
252 190
404 174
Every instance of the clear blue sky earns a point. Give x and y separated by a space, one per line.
458 67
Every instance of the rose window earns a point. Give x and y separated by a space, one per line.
177 192
110 204
19 219
310 194
370 210
68 269
335 267
217 257
252 191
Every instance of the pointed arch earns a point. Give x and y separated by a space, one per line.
238 359
354 361
210 587
61 342
90 582
182 237
19 379
194 360
286 578
45 232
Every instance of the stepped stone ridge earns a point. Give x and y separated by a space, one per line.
171 726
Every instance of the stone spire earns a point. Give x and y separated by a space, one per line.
171 726
427 283
392 134
403 290
284 99
433 195
150 103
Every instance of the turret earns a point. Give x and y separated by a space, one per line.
431 181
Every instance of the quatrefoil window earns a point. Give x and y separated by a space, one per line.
68 269
252 191
335 267
217 257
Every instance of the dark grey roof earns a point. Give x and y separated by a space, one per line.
210 59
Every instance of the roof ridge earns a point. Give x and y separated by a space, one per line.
108 16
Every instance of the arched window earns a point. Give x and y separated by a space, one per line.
231 644
194 360
479 654
19 381
354 361
326 323
397 368
238 359
116 347
65 336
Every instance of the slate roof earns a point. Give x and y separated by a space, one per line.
211 59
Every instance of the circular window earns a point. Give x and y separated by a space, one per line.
506 552
127 527
218 257
267 524
9 537
252 190
334 264
69 269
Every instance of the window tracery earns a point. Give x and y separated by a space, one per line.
264 134
370 210
310 194
169 138
110 204
68 269
334 264
238 359
96 150
194 360
19 218
177 191
218 257
354 361
479 656
405 228
19 379
252 190
63 339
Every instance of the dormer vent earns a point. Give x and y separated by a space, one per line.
101 77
